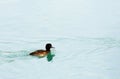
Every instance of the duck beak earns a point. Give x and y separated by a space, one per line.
52 47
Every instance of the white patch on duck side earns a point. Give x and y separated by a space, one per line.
42 54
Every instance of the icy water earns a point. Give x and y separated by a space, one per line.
85 35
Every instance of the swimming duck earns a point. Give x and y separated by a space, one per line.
42 53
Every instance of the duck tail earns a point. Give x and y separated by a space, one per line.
31 53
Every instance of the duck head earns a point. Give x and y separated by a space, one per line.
48 46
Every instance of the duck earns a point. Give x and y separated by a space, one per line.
42 53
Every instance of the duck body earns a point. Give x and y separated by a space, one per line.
42 53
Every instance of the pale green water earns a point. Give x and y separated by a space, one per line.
85 35
74 58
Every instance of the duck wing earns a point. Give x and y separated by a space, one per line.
36 52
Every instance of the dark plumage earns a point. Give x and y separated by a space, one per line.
42 53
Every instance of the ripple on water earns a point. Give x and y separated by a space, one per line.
66 48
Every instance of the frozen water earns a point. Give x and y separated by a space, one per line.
85 34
